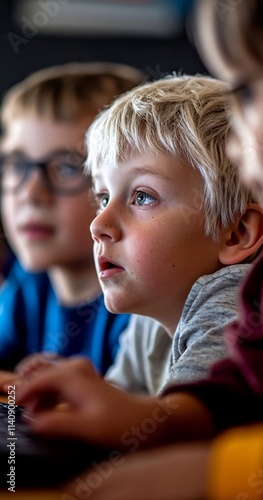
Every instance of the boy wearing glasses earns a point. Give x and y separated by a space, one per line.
51 300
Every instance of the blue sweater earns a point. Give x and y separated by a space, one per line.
32 320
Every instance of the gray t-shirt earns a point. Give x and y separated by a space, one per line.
149 359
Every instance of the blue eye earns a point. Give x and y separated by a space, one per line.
102 200
15 166
142 198
64 170
68 169
19 168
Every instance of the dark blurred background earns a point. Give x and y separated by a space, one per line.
149 34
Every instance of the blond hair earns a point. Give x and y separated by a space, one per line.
183 116
68 92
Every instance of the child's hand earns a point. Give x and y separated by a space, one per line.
34 363
93 409
7 378
27 368
73 381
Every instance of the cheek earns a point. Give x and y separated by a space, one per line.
95 252
76 217
8 211
151 254
76 232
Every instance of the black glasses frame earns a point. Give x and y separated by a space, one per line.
42 165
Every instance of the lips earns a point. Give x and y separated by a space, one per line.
36 230
108 268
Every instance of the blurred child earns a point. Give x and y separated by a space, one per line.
47 208
167 216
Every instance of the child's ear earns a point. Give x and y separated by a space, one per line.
244 238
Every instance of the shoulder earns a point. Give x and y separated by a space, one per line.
216 294
227 275
224 282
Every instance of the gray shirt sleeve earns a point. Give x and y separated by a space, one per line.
198 341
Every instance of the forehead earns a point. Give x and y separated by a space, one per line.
37 137
177 171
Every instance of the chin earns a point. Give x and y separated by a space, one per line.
114 310
34 266
115 307
34 269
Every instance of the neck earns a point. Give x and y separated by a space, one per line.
75 285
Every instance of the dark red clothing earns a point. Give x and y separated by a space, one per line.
233 390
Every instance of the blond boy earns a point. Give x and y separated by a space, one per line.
44 197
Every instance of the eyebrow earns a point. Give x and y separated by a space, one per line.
145 170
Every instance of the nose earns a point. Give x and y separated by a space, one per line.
105 226
34 188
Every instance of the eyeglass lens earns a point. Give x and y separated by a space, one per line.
62 172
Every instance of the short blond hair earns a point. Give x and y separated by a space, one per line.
68 92
183 116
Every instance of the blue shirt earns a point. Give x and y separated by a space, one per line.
32 320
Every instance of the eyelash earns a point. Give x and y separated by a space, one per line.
99 197
147 195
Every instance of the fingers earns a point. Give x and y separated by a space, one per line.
59 424
65 381
68 383
6 379
89 403
36 357
36 362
